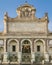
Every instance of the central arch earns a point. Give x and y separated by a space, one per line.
26 50
26 47
26 41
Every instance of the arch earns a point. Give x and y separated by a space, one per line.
27 40
40 40
15 41
43 42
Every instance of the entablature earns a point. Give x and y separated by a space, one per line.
22 36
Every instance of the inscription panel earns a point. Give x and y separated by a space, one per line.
36 27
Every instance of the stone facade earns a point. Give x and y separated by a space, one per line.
25 37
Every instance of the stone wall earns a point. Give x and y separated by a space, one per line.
25 27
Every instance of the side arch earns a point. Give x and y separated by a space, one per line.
43 45
17 44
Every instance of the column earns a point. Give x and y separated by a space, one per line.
46 53
32 57
5 53
19 57
19 53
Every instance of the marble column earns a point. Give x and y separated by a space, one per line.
19 57
46 53
5 53
32 57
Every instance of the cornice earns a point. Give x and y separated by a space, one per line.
26 19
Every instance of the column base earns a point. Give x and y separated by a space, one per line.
5 57
46 57
33 57
19 57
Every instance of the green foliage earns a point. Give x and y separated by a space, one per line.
26 58
12 58
39 58
1 57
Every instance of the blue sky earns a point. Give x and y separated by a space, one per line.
42 6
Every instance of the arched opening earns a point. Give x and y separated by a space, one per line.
39 48
26 51
13 49
26 47
13 45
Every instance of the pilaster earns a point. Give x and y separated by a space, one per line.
5 53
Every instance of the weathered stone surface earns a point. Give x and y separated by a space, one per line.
26 26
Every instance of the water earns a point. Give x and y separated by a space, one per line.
25 64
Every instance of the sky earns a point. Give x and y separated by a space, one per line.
10 6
